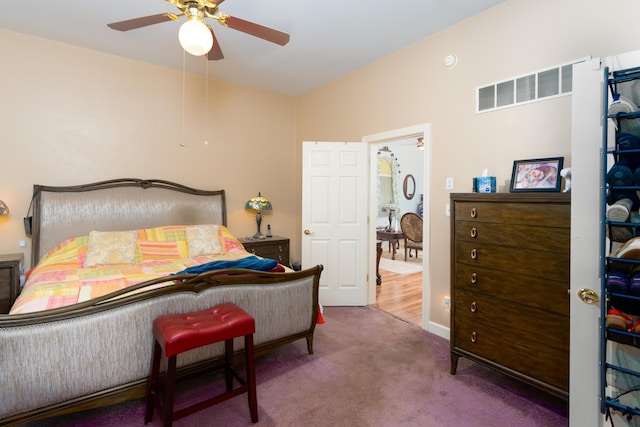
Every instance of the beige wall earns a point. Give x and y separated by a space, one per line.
72 116
413 87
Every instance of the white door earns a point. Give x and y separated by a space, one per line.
584 380
334 218
586 207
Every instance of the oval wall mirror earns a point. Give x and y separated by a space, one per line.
409 187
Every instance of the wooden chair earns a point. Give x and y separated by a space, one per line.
411 225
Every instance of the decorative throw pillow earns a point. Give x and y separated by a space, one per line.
154 250
203 240
111 247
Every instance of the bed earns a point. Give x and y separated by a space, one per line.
89 343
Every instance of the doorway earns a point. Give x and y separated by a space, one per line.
404 139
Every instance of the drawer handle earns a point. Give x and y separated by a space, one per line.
474 307
474 213
474 233
474 336
474 253
474 278
280 249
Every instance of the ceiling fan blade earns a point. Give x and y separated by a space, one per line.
257 30
215 53
132 24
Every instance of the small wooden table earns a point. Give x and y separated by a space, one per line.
10 270
275 247
393 237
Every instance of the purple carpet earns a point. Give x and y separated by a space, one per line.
368 369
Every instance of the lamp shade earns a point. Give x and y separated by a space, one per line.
195 37
4 210
258 203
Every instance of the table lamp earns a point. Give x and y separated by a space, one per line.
258 204
393 217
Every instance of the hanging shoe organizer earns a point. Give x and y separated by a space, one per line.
620 308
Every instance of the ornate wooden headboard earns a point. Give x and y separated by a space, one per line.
60 213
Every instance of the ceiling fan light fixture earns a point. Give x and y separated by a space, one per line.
195 37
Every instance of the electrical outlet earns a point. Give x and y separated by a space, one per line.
449 184
447 303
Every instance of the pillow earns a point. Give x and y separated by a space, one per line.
203 240
111 247
151 250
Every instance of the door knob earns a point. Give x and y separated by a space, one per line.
588 296
307 232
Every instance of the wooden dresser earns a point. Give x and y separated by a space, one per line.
510 285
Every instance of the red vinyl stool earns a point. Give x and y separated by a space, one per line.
177 333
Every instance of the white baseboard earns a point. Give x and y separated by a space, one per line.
439 330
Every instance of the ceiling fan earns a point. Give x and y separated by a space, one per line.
195 35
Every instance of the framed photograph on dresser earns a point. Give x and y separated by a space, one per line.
536 175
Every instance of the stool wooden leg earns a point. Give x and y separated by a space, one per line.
228 363
152 384
251 377
169 389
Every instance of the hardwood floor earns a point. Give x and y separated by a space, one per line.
401 296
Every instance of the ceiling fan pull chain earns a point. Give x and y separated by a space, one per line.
206 102
182 144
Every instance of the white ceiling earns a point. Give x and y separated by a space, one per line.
329 38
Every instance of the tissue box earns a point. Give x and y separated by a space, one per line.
484 184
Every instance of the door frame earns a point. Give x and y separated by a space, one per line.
422 130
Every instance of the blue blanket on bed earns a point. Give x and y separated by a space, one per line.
250 263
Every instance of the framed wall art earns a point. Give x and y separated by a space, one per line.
536 175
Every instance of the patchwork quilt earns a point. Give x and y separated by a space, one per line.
86 267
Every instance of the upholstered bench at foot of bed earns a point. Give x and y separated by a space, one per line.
178 333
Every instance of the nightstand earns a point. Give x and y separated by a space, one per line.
10 270
275 247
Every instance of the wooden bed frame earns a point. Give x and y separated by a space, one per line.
98 352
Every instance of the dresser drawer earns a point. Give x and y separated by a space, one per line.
279 253
515 352
551 239
276 248
544 327
528 262
545 294
542 214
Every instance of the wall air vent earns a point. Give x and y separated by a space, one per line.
537 86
